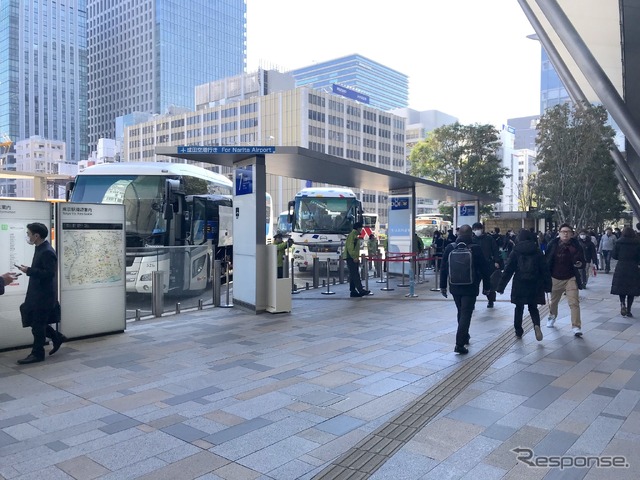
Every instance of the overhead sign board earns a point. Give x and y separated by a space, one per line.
253 149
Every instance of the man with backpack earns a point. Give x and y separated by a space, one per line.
491 255
463 266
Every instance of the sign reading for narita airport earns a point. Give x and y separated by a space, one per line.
255 149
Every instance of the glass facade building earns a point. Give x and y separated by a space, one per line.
149 55
43 72
385 88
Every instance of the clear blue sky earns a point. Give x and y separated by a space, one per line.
468 58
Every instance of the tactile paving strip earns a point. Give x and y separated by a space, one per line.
361 461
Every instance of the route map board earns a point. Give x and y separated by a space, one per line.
14 217
91 239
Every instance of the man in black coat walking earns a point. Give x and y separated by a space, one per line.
41 307
465 295
491 254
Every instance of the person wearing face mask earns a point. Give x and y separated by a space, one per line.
607 242
590 255
41 307
492 256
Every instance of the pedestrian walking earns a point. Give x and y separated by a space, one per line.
607 243
464 293
564 256
491 254
531 279
41 307
626 276
590 255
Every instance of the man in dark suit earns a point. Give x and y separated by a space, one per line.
465 295
41 302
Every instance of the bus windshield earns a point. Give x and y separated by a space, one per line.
325 214
141 195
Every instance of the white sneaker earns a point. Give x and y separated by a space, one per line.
576 331
551 321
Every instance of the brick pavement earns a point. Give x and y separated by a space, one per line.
340 388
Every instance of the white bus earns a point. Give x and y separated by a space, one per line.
172 205
321 218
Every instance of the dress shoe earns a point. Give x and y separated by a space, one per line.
490 305
629 314
536 329
30 359
364 293
460 350
519 333
355 295
468 341
56 343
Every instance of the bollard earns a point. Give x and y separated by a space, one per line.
380 269
200 304
228 304
412 281
437 273
316 272
341 270
177 308
387 288
138 314
157 293
328 292
216 281
365 267
294 287
402 284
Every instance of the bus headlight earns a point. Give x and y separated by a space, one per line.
198 266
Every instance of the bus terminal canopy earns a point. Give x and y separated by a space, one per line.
305 164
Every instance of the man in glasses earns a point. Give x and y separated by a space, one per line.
565 257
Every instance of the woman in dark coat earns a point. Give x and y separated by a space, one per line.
626 277
528 286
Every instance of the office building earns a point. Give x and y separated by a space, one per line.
526 131
148 55
299 117
358 78
43 73
45 157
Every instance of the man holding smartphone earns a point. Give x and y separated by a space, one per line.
41 307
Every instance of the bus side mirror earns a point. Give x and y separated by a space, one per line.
172 186
69 190
291 214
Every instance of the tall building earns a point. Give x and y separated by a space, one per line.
298 117
358 78
43 72
526 131
148 55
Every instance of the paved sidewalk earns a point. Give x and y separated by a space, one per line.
340 388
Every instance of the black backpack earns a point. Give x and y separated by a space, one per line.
461 265
527 268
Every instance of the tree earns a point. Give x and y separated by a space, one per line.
576 172
464 155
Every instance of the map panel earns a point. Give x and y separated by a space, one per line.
92 257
